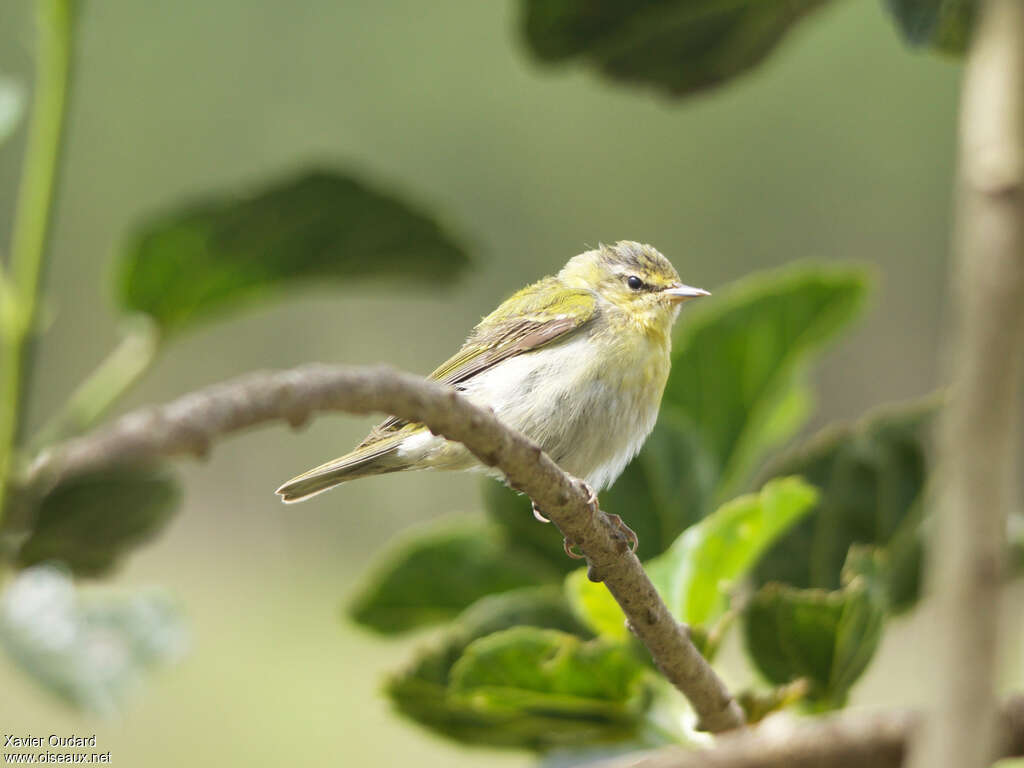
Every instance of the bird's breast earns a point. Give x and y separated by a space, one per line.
590 404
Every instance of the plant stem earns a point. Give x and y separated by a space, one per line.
978 451
111 379
32 218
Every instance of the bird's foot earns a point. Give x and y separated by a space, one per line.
625 531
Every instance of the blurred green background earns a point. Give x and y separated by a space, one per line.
839 147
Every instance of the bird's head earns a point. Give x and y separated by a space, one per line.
634 278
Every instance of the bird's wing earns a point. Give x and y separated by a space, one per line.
537 315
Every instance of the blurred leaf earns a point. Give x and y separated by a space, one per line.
89 650
188 265
12 105
89 521
828 638
665 489
693 575
548 689
421 691
738 360
681 46
942 24
432 574
594 605
871 475
513 512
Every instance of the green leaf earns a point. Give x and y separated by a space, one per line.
552 689
694 575
12 105
738 360
712 555
828 638
421 692
871 475
595 607
89 650
319 227
432 574
88 522
942 24
679 46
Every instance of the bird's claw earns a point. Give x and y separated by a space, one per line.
539 515
568 547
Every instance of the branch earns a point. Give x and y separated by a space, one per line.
977 454
191 424
849 740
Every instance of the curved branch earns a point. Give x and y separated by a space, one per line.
191 424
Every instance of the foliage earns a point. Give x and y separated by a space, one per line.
433 575
942 24
695 574
824 637
681 47
90 521
88 649
871 475
318 226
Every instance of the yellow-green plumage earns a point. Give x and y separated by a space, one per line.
577 362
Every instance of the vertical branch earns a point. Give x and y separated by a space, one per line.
977 459
32 219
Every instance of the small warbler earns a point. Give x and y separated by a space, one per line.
576 362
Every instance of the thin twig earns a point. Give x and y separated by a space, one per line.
191 424
33 216
847 740
977 460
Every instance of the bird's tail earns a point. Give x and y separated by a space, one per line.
351 466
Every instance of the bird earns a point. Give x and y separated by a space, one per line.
577 362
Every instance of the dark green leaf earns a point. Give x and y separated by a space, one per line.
679 46
92 650
871 476
737 360
942 24
89 521
433 574
319 227
828 638
693 576
513 512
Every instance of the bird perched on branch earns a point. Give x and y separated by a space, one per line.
577 362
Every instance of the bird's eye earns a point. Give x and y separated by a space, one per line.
634 282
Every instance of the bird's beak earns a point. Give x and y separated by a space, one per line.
679 293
